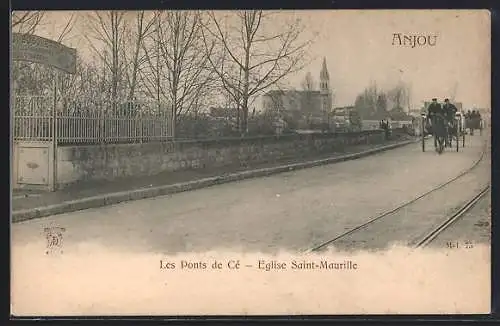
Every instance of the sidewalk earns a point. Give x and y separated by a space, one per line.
31 204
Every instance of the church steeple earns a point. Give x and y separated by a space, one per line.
324 88
324 71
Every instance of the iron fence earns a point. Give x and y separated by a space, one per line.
32 118
90 122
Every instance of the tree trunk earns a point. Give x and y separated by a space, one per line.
136 63
245 116
246 87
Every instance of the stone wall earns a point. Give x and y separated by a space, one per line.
107 162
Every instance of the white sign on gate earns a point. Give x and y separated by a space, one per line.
37 49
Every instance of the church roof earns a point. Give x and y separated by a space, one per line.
289 92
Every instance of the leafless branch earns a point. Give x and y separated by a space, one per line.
263 57
26 21
109 28
67 29
183 66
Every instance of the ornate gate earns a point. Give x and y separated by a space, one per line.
34 163
34 143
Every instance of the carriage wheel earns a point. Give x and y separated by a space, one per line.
463 138
423 136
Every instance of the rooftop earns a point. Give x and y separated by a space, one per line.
288 92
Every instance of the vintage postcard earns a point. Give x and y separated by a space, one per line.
308 162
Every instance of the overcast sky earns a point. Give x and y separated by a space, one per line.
358 49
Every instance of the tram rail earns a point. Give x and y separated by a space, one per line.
432 235
391 212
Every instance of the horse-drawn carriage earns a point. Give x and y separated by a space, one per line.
473 121
444 132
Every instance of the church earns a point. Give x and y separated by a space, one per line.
309 105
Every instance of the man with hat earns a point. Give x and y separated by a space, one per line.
449 111
433 110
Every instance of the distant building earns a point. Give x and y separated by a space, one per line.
346 117
292 100
308 104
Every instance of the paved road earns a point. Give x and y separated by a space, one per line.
289 211
110 262
412 223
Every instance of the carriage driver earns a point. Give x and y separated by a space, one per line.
433 110
449 110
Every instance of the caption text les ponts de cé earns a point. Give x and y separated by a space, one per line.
263 265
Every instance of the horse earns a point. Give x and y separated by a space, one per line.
439 131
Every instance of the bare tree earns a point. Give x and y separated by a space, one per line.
367 102
66 82
183 62
308 82
185 59
108 28
381 105
398 96
247 45
308 102
67 28
150 74
136 59
26 21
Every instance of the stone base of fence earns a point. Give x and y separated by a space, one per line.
107 162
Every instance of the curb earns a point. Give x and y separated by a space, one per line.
119 197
